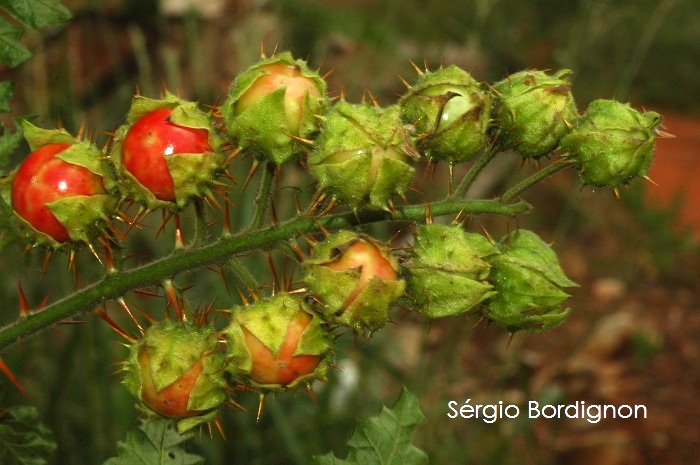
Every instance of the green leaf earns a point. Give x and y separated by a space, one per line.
385 439
37 14
154 442
9 143
6 94
12 52
24 440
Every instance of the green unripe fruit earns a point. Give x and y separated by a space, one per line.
450 115
355 279
277 343
272 105
167 154
176 370
528 280
612 143
363 155
447 272
533 111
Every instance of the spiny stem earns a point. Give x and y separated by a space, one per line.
262 200
474 171
530 181
116 284
201 230
243 274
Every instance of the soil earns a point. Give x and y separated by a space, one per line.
676 169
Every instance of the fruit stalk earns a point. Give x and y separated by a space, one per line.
533 179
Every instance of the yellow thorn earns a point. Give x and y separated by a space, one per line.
408 86
260 407
253 169
128 311
651 181
94 252
664 134
328 73
418 70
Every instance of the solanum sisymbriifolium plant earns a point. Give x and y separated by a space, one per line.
360 164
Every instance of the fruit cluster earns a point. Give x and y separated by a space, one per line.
170 152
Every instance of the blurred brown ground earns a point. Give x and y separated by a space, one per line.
676 169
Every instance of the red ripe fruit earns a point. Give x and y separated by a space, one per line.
43 178
151 139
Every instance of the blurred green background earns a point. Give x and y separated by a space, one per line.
616 348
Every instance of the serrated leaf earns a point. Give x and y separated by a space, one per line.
154 442
24 440
385 439
37 14
12 52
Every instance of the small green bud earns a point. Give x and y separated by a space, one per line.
528 280
272 105
533 111
447 273
277 343
363 155
450 114
612 143
355 279
176 370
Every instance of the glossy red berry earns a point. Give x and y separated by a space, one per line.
151 139
44 178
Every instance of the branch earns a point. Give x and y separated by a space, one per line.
118 283
533 179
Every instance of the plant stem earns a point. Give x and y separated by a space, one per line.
117 283
474 171
200 225
530 181
262 200
243 274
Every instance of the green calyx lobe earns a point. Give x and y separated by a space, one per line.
192 174
612 143
355 279
450 115
364 155
176 370
528 280
533 111
447 271
269 322
271 126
